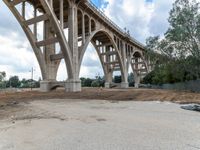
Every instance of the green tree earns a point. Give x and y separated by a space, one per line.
117 79
131 79
184 31
14 81
2 76
2 79
86 82
95 83
176 57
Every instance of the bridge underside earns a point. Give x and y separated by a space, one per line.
63 29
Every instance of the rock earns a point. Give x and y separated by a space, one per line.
191 107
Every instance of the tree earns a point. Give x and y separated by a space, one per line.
177 54
184 31
14 81
2 76
2 79
117 79
95 83
131 79
86 82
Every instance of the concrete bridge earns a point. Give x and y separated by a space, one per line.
63 29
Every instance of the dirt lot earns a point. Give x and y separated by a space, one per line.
100 119
10 98
68 124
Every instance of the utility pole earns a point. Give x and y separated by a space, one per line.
32 78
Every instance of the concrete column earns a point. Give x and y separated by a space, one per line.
124 83
35 25
51 69
90 29
49 49
24 10
45 86
61 14
137 81
83 29
73 84
109 73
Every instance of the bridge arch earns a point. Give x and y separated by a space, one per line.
32 37
93 38
138 65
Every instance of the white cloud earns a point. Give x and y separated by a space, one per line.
15 58
142 18
91 65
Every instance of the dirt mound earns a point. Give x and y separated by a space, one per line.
103 94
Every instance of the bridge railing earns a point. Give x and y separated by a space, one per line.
109 21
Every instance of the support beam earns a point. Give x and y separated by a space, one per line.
47 42
111 63
117 69
56 57
36 19
51 3
109 53
16 2
105 44
138 63
142 70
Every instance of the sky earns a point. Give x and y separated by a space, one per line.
143 18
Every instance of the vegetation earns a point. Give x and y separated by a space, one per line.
176 56
14 82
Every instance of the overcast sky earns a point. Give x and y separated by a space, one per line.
143 18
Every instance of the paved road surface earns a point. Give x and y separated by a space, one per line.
100 125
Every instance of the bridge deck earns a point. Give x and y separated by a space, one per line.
90 8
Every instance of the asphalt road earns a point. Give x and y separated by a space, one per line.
99 125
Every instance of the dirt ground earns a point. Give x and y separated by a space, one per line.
100 119
69 124
131 94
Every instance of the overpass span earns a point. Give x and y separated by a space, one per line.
63 29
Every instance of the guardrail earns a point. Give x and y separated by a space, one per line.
110 22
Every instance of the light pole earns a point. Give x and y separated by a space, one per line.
32 78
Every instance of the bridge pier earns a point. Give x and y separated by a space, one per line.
107 85
73 86
124 85
137 81
45 86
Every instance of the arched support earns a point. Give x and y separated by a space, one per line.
139 67
32 39
109 61
61 37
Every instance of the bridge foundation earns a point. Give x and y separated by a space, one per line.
73 86
107 85
45 86
137 82
69 85
124 85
